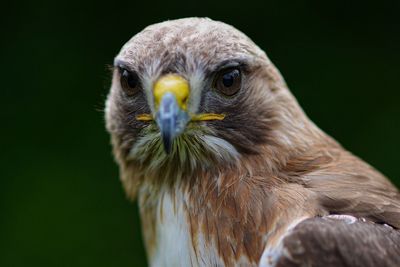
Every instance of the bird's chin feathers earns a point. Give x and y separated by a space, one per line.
197 148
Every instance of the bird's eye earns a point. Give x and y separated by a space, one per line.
229 81
129 81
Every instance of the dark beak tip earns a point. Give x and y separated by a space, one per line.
167 142
167 149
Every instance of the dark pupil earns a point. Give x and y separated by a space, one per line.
229 78
130 79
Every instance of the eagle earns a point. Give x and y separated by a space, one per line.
225 166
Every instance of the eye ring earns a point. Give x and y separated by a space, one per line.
129 81
228 81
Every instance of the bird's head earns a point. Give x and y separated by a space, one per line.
194 94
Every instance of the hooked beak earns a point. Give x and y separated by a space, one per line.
171 93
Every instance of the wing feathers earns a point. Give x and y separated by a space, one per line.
329 242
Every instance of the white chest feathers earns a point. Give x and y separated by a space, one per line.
173 237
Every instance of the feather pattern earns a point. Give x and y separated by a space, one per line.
257 188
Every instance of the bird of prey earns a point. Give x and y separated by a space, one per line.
226 167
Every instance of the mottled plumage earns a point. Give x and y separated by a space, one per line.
258 185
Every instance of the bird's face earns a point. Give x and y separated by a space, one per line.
190 93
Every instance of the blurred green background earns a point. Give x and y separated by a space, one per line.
61 203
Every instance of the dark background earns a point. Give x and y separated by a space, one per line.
61 203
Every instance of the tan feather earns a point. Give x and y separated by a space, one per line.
231 190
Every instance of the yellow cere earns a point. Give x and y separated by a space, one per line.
175 84
179 87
